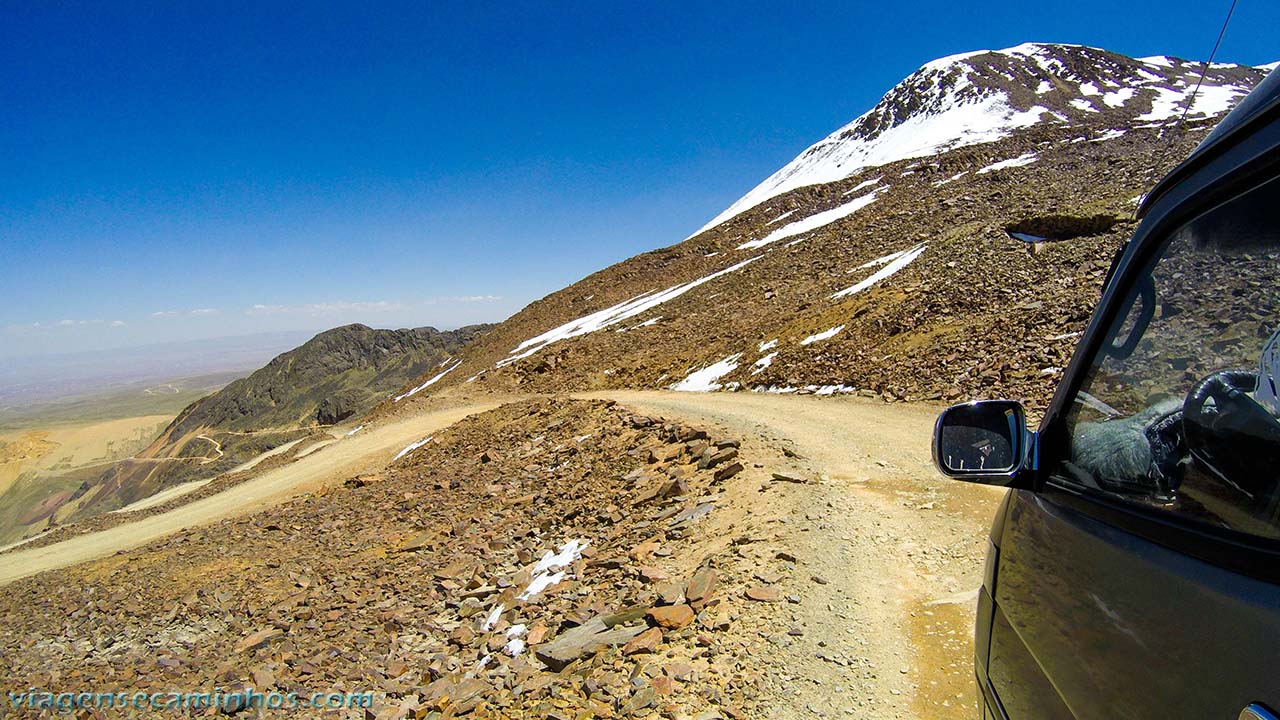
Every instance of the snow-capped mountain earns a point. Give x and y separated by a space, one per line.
987 95
893 258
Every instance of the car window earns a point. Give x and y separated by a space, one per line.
1179 409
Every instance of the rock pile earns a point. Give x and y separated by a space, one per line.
548 559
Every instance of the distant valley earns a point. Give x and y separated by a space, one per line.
81 456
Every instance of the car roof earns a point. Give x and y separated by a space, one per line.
1252 109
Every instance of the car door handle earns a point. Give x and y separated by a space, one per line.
1257 712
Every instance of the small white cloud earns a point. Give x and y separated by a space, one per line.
117 323
325 308
205 311
461 299
164 313
67 323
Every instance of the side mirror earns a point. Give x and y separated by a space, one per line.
984 442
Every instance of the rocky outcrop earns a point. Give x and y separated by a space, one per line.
337 374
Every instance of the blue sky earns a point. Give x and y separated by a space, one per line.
175 171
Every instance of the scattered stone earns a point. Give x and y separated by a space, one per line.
714 459
643 698
653 574
728 471
625 617
669 593
662 685
692 515
583 641
671 616
418 542
701 587
645 642
768 577
435 624
263 679
258 639
764 594
688 434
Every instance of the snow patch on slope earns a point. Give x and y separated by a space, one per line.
882 260
410 448
429 383
1025 159
1212 100
783 216
704 380
897 264
824 335
543 575
612 315
1117 98
763 363
813 222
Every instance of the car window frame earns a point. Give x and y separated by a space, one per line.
1242 167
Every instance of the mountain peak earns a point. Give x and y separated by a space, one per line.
986 95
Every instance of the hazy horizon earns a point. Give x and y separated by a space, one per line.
51 377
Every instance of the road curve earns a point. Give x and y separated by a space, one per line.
369 449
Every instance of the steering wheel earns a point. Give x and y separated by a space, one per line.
1235 438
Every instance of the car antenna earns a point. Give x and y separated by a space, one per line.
1204 70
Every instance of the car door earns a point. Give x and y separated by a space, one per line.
1140 579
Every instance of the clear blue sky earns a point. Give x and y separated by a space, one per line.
167 167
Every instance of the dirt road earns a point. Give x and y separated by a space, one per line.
371 448
891 553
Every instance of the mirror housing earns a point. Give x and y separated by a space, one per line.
984 442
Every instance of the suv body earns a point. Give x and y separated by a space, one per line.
1134 567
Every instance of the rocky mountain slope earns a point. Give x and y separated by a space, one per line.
950 242
334 375
337 374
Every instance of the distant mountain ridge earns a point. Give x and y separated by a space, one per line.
949 242
337 374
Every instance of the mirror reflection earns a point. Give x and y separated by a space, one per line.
979 437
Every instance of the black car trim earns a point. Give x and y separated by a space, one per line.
986 613
990 699
1248 555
